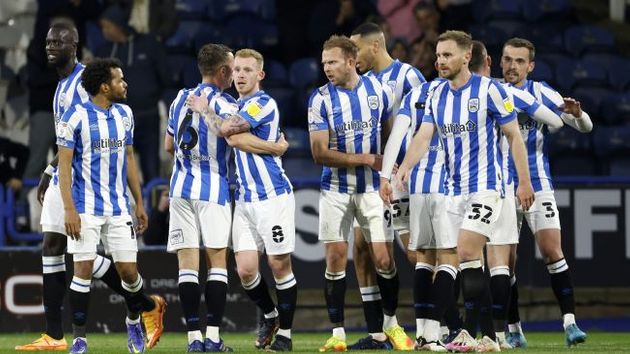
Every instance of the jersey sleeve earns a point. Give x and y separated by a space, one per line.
172 111
405 105
223 104
130 125
523 100
413 78
258 111
317 115
428 114
551 98
500 105
68 130
388 103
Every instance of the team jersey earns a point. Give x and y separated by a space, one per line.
401 78
260 177
99 139
535 133
353 119
429 174
68 93
200 170
465 119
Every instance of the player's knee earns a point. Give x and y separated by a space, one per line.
54 245
411 256
384 261
247 272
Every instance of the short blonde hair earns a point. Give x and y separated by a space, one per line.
463 39
251 53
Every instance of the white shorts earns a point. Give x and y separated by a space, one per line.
337 212
195 221
116 232
53 214
543 214
428 222
505 229
400 209
267 225
476 212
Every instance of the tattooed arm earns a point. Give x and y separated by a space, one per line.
223 127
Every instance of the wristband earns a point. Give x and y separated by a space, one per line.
49 170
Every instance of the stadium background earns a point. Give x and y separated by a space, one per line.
582 50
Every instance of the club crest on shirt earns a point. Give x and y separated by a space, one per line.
392 84
126 123
373 102
62 99
473 105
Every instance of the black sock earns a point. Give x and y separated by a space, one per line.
485 312
335 295
500 289
389 284
452 317
286 292
190 297
137 301
258 292
79 301
513 315
422 287
372 308
54 291
106 272
216 293
472 290
442 295
562 285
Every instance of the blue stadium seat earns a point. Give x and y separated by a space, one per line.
542 72
574 164
168 96
176 65
207 34
568 139
182 41
285 99
249 30
619 166
191 75
612 147
619 73
492 37
615 108
580 73
547 37
578 39
570 153
275 74
603 59
192 9
510 27
497 9
304 73
218 10
545 9
591 98
299 142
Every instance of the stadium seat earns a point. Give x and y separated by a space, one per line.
191 75
618 73
218 10
168 96
510 27
249 30
206 34
619 166
615 109
304 72
182 41
275 74
542 72
578 39
497 9
594 95
570 153
574 73
176 65
492 37
535 11
285 99
192 9
574 165
547 37
612 147
299 142
568 139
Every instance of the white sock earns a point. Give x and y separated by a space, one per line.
132 322
568 319
515 328
380 336
389 321
212 332
420 327
340 333
500 337
284 332
194 335
431 330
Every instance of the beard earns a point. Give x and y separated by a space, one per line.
452 74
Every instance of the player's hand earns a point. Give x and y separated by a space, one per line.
386 192
375 162
572 106
283 144
402 178
72 221
197 103
142 219
44 181
525 195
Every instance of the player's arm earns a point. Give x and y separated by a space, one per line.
72 220
248 142
387 115
526 102
44 180
417 149
574 116
323 155
232 123
401 126
169 144
134 185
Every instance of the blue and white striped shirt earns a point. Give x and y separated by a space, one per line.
401 78
200 170
429 174
535 133
465 119
68 93
99 167
260 177
353 119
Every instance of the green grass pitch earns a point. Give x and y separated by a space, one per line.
597 342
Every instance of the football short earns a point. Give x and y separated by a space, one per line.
53 214
337 212
192 222
267 225
543 214
115 232
400 209
506 229
476 212
428 223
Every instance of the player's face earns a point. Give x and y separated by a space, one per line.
366 55
450 59
515 64
117 86
247 74
337 67
225 73
60 47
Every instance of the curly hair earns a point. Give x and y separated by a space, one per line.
98 72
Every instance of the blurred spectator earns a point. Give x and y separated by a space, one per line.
156 17
157 230
400 17
423 48
399 50
42 80
456 14
144 67
13 157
